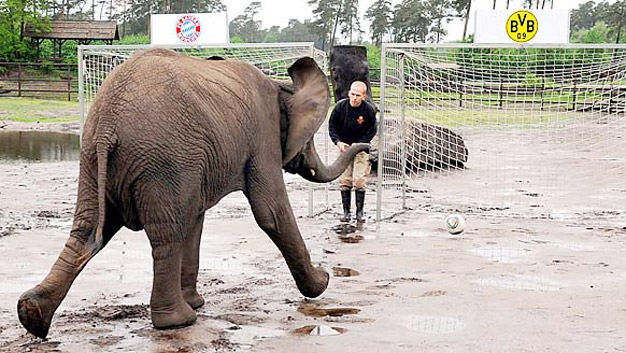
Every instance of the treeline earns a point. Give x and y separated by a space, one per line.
601 22
332 21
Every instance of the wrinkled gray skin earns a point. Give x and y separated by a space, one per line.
167 137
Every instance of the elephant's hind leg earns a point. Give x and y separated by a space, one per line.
168 308
37 305
190 265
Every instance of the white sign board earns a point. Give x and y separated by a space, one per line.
191 28
522 26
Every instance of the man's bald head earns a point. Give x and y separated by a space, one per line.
357 93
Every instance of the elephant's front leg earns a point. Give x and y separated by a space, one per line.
168 308
268 198
190 265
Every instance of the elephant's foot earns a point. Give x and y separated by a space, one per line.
314 285
168 317
34 313
192 298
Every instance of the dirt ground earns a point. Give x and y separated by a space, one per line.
402 285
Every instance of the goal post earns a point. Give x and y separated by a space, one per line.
95 62
524 130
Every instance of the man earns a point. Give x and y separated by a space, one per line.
353 120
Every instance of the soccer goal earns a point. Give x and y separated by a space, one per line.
95 62
516 130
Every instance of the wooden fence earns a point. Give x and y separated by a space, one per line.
36 79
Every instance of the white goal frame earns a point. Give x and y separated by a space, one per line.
392 92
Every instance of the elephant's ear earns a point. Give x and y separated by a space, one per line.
308 105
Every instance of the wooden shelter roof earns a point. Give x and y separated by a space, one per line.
76 30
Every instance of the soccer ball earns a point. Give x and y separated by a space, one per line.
455 223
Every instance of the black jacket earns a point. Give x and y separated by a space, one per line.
349 125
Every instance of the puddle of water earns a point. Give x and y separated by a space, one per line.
502 255
38 146
251 334
344 272
319 330
529 283
435 325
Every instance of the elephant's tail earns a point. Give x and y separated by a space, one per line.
102 151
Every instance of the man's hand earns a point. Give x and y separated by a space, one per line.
342 146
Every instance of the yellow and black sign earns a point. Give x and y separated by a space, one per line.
522 26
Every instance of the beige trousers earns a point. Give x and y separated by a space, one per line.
356 173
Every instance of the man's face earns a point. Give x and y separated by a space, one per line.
356 95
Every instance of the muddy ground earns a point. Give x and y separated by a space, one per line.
403 285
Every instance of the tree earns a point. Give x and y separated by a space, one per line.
297 31
14 14
245 26
615 17
379 15
324 14
437 12
271 35
463 8
599 33
584 17
349 19
410 21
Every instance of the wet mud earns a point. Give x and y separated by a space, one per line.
402 285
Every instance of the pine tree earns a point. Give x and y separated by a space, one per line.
349 19
324 13
379 15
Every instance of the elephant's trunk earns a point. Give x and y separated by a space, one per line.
316 171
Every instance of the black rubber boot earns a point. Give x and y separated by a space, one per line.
360 200
346 200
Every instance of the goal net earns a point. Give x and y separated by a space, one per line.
522 131
97 61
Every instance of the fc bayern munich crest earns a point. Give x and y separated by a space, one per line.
188 28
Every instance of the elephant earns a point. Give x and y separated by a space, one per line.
166 138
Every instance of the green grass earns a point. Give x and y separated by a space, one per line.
31 110
518 119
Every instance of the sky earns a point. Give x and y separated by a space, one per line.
279 12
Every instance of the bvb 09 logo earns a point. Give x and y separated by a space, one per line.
188 28
522 26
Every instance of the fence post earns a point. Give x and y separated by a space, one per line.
69 84
543 88
575 98
19 80
501 94
611 100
